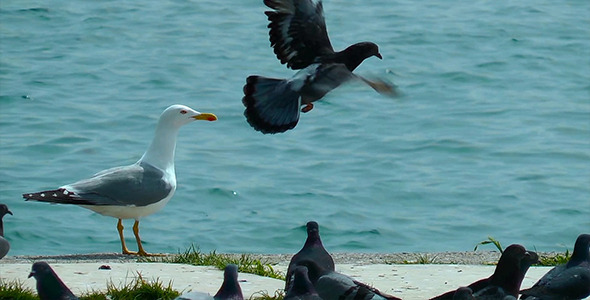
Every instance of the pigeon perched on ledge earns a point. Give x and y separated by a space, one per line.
230 288
505 282
301 287
299 37
312 251
4 244
567 281
49 285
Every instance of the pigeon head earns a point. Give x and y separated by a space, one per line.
49 286
230 289
581 251
463 293
355 54
4 210
301 283
512 266
40 269
313 233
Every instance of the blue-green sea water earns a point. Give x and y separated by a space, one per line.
490 137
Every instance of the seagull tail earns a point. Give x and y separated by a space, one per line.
61 196
272 106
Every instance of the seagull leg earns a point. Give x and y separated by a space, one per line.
140 249
307 107
123 246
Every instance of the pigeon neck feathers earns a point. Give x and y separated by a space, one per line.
581 252
49 285
230 289
3 211
511 268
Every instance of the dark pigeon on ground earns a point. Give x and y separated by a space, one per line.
567 281
4 244
229 290
337 286
508 275
49 285
463 293
313 251
299 37
302 288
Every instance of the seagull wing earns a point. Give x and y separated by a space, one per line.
298 31
135 185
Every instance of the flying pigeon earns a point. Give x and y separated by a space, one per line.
313 251
508 275
301 287
49 285
299 37
4 244
229 290
567 281
137 190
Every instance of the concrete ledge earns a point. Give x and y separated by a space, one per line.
409 281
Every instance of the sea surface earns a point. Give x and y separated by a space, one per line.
489 137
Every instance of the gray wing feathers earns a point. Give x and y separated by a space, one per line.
138 184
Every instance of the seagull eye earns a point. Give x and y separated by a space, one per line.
183 111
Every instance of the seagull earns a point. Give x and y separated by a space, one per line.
49 285
312 251
137 190
300 39
4 244
566 281
229 290
507 278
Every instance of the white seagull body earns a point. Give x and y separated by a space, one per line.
137 190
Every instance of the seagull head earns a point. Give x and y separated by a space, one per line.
181 114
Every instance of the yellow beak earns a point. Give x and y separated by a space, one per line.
206 117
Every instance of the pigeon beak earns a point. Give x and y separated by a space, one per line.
31 274
9 212
205 116
379 55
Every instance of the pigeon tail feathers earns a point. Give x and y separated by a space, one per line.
272 106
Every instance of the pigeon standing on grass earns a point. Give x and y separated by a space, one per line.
567 281
313 251
508 275
49 285
229 290
301 287
4 244
299 37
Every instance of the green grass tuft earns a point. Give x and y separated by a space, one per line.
15 290
139 288
279 295
245 263
490 240
421 259
554 260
